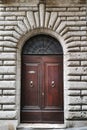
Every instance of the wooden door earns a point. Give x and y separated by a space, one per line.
42 89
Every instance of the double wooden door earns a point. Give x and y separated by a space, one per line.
42 89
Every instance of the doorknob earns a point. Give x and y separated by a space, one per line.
53 84
31 84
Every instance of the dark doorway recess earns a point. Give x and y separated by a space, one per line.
42 81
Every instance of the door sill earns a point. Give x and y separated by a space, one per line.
40 125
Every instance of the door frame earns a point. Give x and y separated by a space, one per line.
18 77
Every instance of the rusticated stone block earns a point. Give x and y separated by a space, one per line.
74 108
73 78
7 99
8 43
8 107
8 114
7 69
84 78
9 77
11 9
84 107
9 62
9 92
77 85
84 100
8 56
77 115
78 56
73 92
8 49
77 70
76 100
7 84
22 13
84 63
84 92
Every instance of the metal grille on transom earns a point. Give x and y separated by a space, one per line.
42 44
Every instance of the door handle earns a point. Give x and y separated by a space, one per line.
31 84
53 84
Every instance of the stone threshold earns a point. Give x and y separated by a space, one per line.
40 126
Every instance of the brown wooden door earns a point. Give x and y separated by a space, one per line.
42 89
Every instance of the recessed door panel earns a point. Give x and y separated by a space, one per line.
52 85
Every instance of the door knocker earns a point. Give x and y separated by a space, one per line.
53 84
31 84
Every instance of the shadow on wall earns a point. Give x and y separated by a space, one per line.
7 1
82 1
48 2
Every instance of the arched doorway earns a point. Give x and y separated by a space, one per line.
42 81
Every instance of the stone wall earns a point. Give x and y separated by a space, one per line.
68 22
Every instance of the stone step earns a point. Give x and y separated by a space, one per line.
38 129
79 128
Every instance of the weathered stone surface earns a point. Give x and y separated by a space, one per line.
8 43
8 56
8 107
9 77
8 114
10 18
84 63
7 84
73 78
82 13
0 92
84 92
7 69
77 85
53 18
7 99
9 62
75 100
79 100
77 115
36 14
16 35
42 14
8 49
9 92
11 8
74 92
10 38
1 76
73 63
77 70
78 56
12 13
84 107
47 17
74 108
22 26
8 23
84 78
30 16
27 24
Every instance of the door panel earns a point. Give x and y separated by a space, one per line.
42 89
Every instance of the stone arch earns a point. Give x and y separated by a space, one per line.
38 31
19 49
